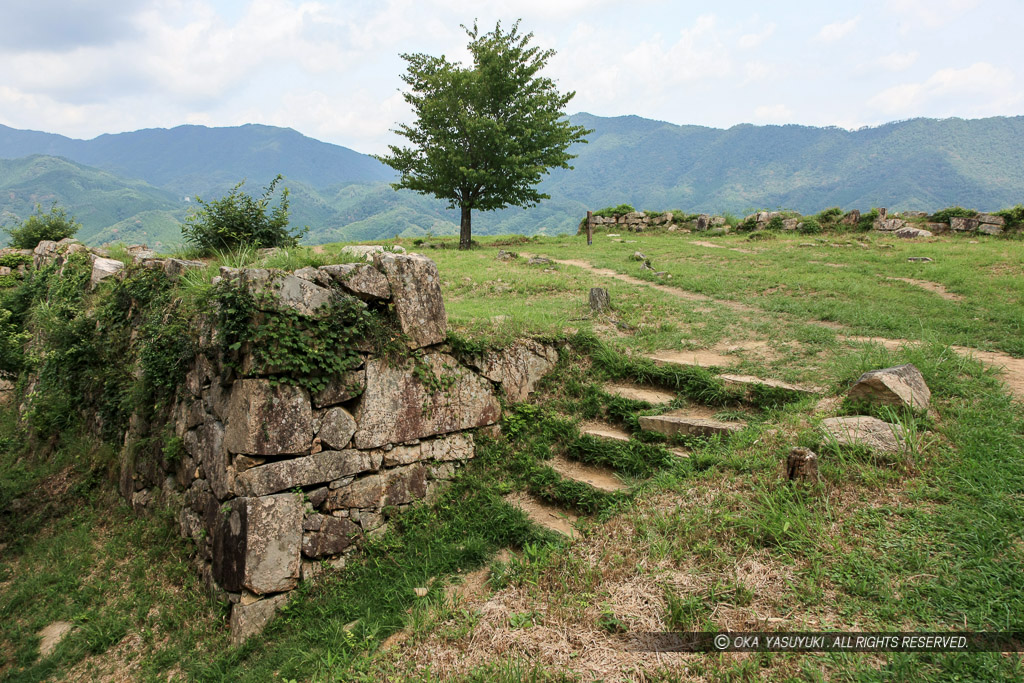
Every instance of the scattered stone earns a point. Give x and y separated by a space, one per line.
802 465
539 261
639 256
851 218
507 255
176 267
434 395
599 299
908 232
919 259
416 289
869 432
518 367
888 224
361 280
672 425
268 419
899 386
250 620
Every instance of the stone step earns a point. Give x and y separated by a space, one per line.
603 431
543 514
747 382
682 425
601 478
638 392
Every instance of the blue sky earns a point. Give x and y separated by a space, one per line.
331 69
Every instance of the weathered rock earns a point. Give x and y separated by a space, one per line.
285 290
403 455
332 536
102 268
633 217
257 543
919 259
639 256
865 431
717 221
599 299
671 425
908 232
176 267
360 279
206 445
314 275
518 367
416 290
44 253
539 261
937 228
397 486
250 620
889 224
367 251
336 428
341 389
506 255
399 406
308 470
961 224
991 219
703 222
790 223
268 419
900 386
447 448
989 229
802 465
851 218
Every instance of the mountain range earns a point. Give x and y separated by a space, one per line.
137 187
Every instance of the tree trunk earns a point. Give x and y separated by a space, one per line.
466 233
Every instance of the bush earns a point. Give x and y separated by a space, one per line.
55 225
1014 216
809 226
830 217
237 219
867 220
613 211
952 212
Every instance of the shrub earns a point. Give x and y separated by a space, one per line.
55 225
1014 216
952 212
809 226
830 216
237 219
612 211
867 220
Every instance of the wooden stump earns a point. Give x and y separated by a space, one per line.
599 299
802 465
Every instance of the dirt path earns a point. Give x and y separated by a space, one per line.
933 287
672 291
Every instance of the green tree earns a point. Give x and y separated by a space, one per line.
237 218
484 135
54 225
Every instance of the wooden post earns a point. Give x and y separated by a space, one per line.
802 465
590 228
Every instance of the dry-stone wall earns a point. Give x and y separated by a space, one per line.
274 481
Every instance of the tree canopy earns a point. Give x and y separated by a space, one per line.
485 134
54 225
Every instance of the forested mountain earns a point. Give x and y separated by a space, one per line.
136 186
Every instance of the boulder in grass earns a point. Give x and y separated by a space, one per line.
902 386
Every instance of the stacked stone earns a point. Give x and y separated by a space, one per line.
637 221
277 481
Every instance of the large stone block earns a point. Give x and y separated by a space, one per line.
268 419
519 367
865 431
900 386
360 279
284 289
416 293
341 389
399 405
250 619
305 471
398 486
257 544
205 444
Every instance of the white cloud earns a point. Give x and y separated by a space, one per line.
981 87
837 30
751 40
898 61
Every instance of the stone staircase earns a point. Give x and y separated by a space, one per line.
688 421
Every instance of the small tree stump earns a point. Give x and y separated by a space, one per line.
599 299
802 465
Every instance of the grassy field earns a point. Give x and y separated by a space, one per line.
930 539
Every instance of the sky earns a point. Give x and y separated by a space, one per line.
331 70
